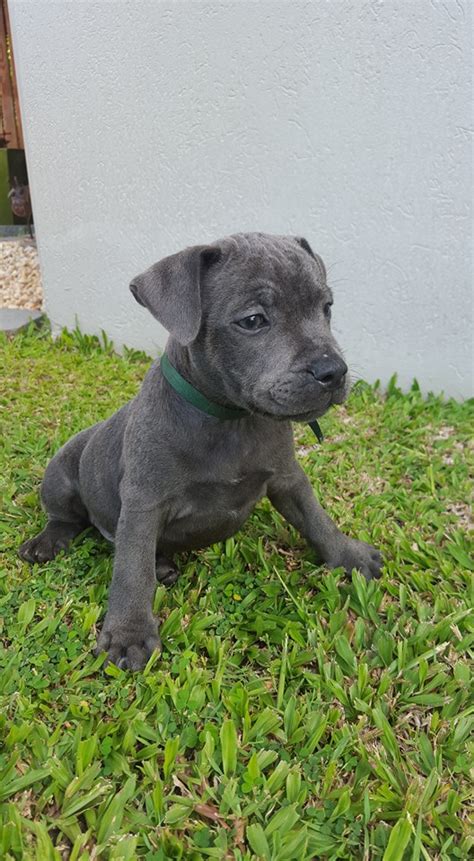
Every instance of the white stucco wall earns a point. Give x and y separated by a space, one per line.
151 125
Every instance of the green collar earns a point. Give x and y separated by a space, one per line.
198 400
315 427
192 396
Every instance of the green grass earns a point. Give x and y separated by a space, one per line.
294 714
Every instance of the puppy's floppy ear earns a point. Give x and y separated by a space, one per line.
171 290
305 244
307 247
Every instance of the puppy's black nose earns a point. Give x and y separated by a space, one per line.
329 370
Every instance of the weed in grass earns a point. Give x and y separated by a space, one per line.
293 714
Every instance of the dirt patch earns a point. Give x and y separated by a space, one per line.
20 279
463 512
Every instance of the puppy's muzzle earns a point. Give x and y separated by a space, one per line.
329 371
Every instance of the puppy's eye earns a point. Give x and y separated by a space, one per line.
327 310
253 323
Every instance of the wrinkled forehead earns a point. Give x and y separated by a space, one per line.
255 262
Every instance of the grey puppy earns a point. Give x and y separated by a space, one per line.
249 323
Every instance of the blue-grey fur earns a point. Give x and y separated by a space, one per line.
160 477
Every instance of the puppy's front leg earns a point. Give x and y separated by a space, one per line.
294 498
130 631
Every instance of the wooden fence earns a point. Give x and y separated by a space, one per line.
11 134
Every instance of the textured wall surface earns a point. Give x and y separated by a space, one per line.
151 125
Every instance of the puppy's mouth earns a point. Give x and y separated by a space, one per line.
306 416
270 407
281 412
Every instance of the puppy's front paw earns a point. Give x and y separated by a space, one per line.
129 643
357 554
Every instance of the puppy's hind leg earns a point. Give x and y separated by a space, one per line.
166 571
62 503
56 536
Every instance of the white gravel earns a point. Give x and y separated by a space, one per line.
20 279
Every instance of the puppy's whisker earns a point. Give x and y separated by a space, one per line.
332 265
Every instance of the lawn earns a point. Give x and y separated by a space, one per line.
294 714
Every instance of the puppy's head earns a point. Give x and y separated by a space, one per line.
253 311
